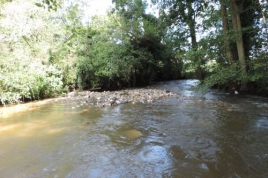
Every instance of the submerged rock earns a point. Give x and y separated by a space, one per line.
133 134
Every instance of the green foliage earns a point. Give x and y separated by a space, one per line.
108 57
124 48
222 76
19 85
49 4
258 74
27 72
45 51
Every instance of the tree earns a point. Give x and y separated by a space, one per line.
25 74
239 39
34 43
49 4
186 12
225 28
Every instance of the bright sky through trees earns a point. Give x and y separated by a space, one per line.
97 7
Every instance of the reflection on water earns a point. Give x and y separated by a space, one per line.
217 135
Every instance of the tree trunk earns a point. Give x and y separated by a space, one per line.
225 27
190 19
239 39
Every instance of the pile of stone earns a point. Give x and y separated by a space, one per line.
110 98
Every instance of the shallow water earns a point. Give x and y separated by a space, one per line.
216 135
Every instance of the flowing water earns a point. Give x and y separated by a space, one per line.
216 135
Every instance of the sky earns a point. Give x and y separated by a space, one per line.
100 7
97 7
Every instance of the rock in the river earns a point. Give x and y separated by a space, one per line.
110 98
133 134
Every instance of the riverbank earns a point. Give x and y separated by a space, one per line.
94 99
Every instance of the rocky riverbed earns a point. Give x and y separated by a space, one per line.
110 98
95 99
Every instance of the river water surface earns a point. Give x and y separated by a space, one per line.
216 135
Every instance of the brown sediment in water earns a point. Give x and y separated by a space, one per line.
6 111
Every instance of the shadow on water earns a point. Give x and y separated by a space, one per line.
217 135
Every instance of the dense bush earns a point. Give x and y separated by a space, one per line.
29 83
113 57
27 69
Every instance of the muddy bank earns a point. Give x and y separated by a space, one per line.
95 99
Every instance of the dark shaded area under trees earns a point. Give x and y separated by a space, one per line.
223 43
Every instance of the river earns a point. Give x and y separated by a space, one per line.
215 135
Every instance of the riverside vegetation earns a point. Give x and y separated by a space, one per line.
49 47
